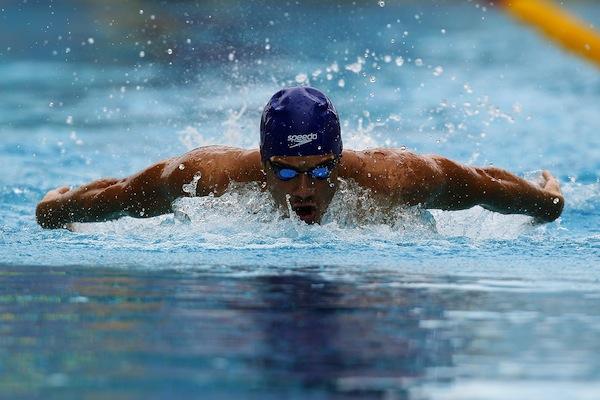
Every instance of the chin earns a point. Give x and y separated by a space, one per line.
310 217
309 221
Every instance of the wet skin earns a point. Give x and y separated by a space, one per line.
395 177
308 197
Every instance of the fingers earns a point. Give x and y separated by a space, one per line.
53 194
547 175
551 184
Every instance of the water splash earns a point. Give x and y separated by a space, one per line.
192 187
247 217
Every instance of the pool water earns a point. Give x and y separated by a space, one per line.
225 299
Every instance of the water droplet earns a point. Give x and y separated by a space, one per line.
301 77
188 41
90 40
372 79
556 200
142 54
181 167
356 67
419 62
191 188
231 56
403 148
141 12
69 120
399 61
341 83
169 51
437 71
387 59
267 46
381 3
443 31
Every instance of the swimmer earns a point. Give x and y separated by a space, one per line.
301 163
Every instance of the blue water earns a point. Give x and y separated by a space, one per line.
226 302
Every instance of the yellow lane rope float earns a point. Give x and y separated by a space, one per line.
558 25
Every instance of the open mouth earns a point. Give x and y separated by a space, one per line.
307 214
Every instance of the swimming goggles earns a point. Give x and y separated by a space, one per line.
286 173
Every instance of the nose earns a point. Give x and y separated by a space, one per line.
305 187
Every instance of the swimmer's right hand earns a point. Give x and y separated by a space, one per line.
55 194
46 210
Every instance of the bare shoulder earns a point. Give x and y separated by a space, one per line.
215 166
394 172
385 162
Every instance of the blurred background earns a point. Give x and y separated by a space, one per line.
456 77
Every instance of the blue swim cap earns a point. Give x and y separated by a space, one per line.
299 121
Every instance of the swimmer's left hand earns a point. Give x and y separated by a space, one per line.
555 202
550 184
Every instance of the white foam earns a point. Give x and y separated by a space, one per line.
246 217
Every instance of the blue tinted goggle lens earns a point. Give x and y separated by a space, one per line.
285 174
320 172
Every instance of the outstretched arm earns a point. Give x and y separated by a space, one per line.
496 190
145 194
150 192
439 183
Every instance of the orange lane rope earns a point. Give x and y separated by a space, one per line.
558 25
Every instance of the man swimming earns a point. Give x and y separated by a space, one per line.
301 162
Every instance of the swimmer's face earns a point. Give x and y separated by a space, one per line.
310 190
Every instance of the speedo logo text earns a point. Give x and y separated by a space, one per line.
299 140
